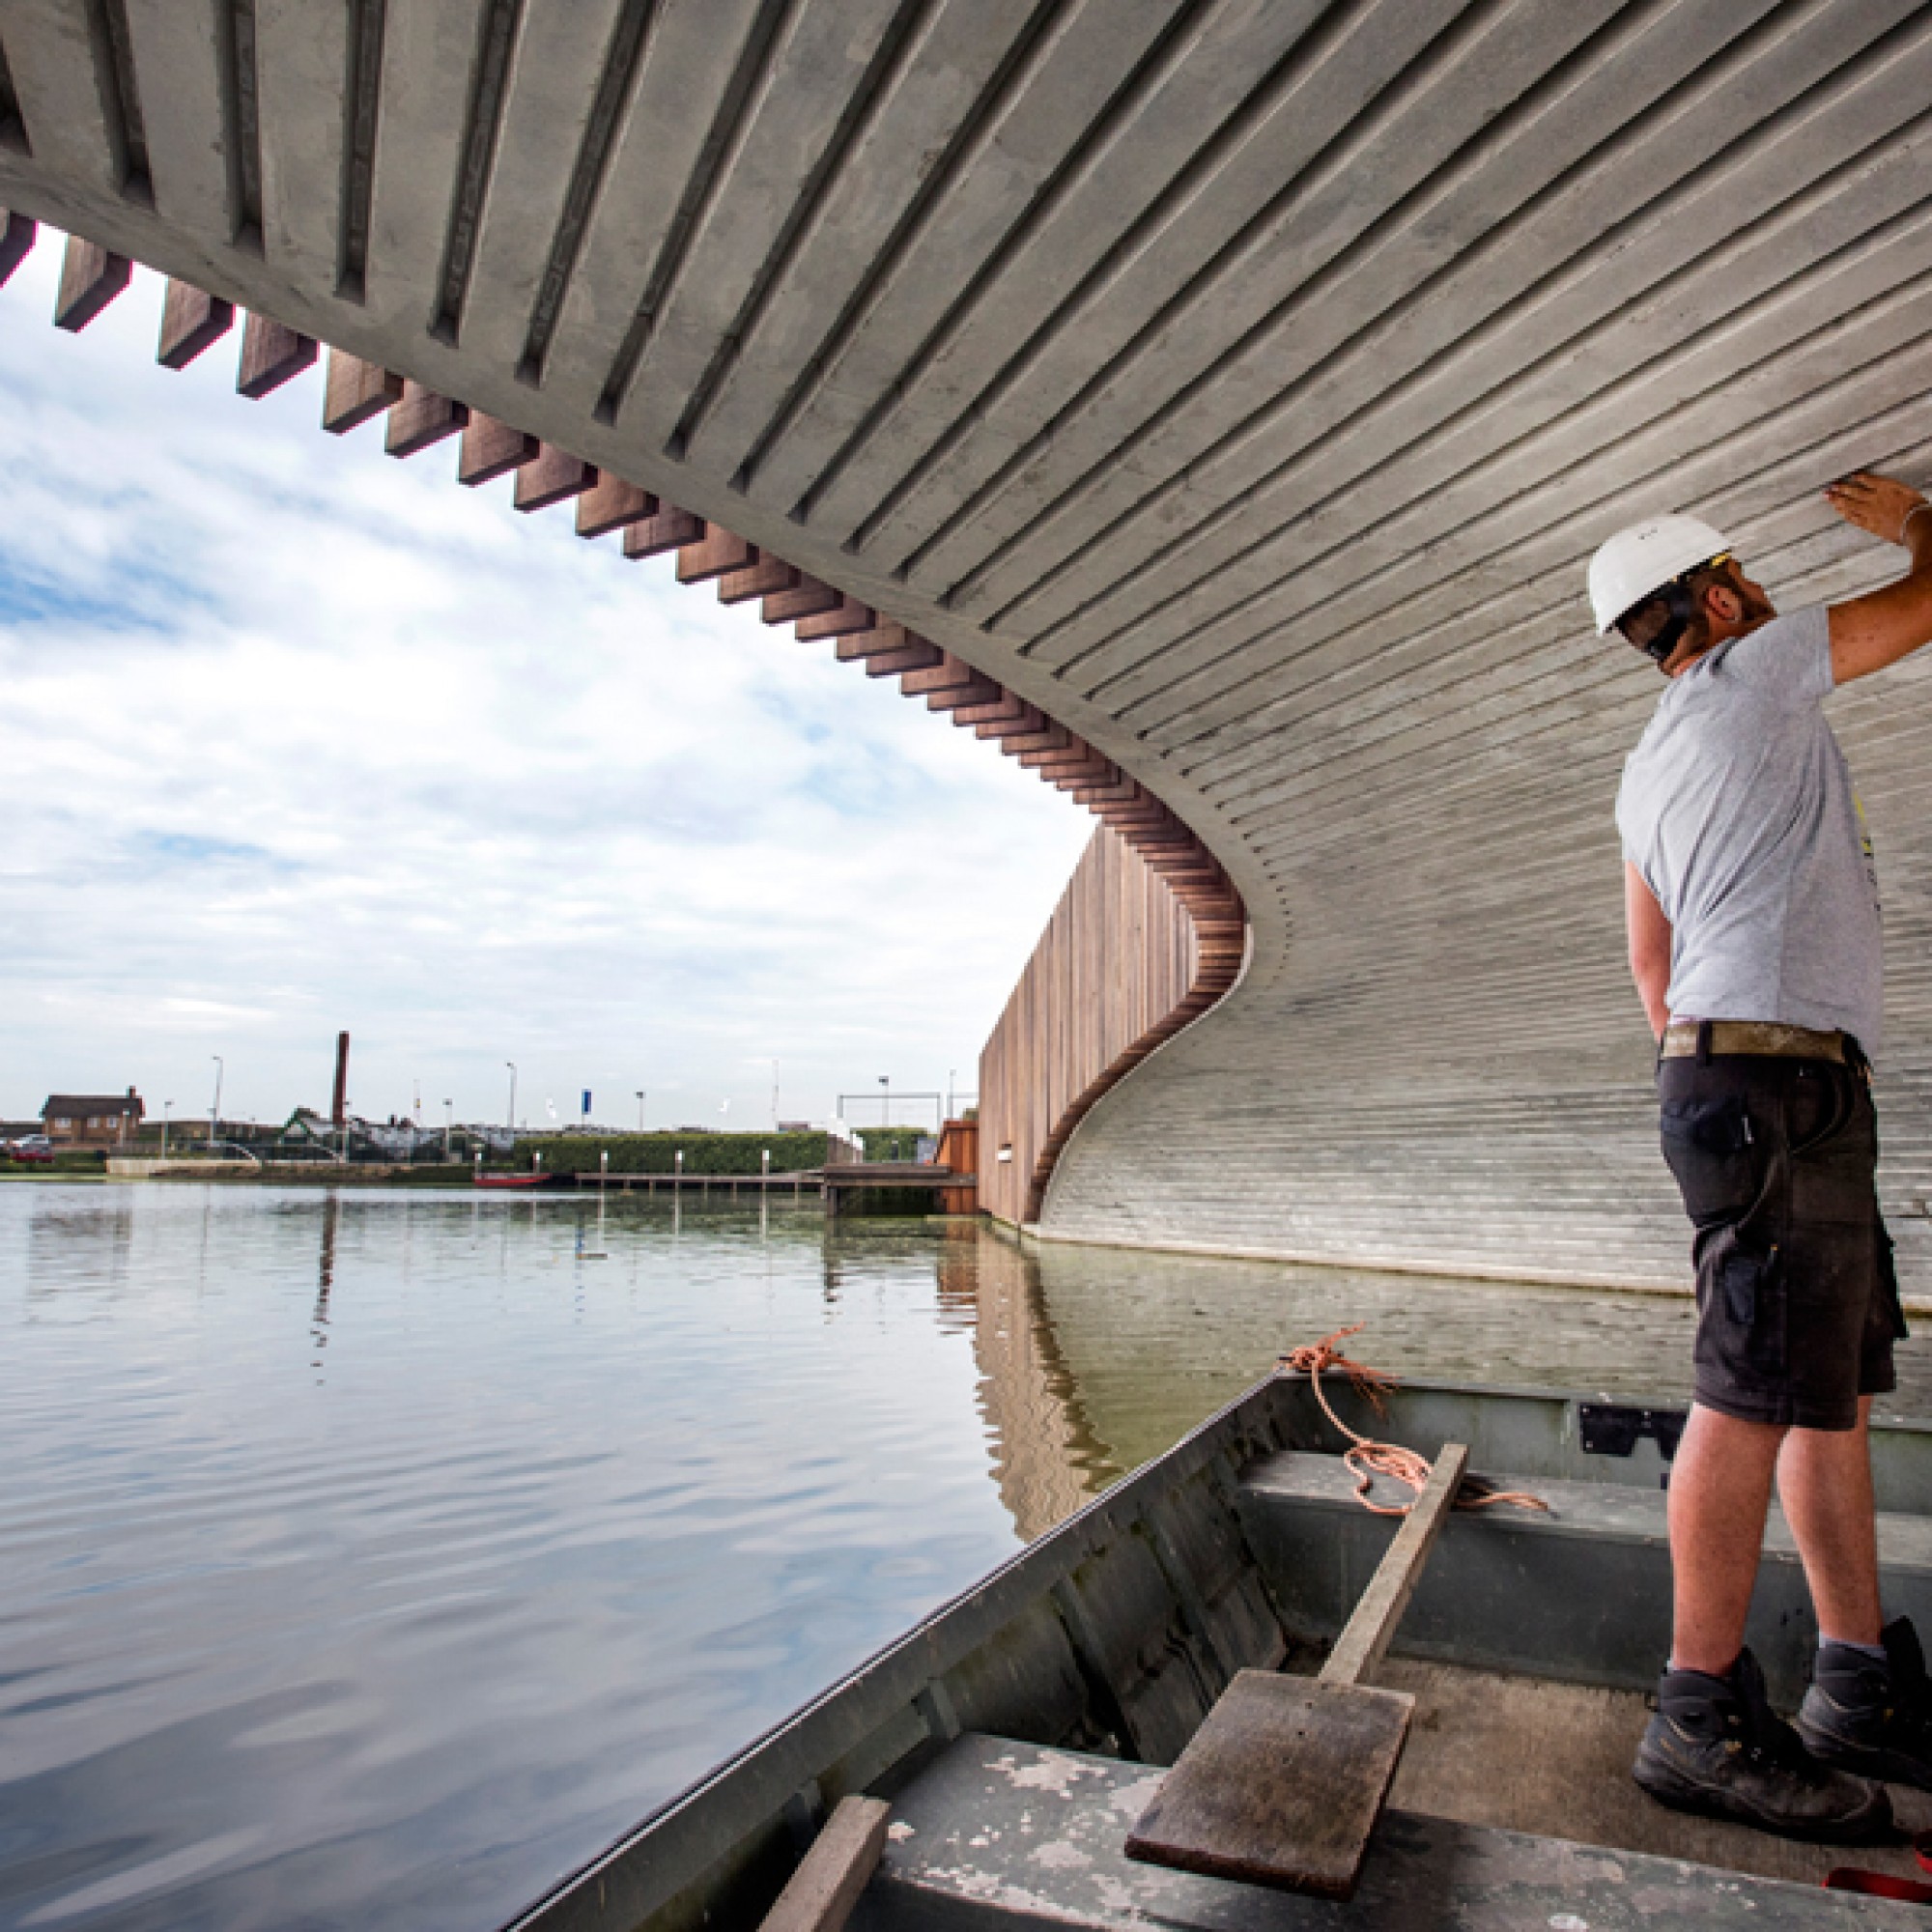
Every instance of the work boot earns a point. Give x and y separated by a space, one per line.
1715 1746
1870 1717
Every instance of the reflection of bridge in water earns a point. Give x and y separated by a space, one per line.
1213 405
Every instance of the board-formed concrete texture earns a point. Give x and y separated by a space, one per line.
1244 383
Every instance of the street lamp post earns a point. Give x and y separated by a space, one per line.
641 1110
448 1129
167 1110
512 1065
214 1112
775 1095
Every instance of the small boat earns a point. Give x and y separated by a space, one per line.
526 1184
1020 1732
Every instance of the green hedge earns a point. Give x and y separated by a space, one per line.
704 1153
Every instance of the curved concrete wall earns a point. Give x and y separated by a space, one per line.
1241 382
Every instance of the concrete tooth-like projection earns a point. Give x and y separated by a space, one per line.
1216 400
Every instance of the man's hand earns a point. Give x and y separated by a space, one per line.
1869 632
1878 504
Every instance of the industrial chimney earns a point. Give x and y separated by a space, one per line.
339 1114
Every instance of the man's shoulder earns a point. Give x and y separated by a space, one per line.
1787 659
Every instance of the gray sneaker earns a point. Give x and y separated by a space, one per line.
1715 1746
1871 1718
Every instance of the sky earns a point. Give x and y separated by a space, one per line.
295 737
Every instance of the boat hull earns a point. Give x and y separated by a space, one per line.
1242 1548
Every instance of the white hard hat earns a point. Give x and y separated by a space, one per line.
1643 558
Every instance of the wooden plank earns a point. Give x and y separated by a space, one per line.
1283 1783
553 476
844 619
670 530
1030 719
915 654
1280 1787
807 598
1005 709
353 391
950 673
91 278
422 418
835 1871
1362 1644
1105 776
756 580
191 320
612 504
714 554
271 354
1050 737
882 636
491 449
979 692
16 240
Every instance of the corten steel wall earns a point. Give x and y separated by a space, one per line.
1116 961
1237 390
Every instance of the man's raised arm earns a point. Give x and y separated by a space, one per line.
1869 632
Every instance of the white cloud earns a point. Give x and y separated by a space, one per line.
297 737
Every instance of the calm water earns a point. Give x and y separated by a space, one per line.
373 1559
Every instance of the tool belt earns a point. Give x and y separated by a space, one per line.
1685 1039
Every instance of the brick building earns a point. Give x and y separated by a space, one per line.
92 1120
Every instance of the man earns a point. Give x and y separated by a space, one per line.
1753 921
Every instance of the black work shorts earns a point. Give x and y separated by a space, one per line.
1797 1298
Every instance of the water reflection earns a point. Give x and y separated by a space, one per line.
331 1215
1154 1342
1046 1459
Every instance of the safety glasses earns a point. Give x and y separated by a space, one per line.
1657 625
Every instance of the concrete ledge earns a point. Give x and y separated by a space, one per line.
1376 1262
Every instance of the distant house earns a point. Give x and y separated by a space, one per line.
92 1120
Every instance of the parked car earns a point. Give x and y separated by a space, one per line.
32 1150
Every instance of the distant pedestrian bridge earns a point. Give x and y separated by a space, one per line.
1211 402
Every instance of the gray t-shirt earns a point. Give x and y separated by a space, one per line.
1738 809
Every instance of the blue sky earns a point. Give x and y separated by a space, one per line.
297 737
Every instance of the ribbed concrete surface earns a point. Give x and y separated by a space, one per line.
1245 383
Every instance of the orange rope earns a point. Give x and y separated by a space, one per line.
1368 1459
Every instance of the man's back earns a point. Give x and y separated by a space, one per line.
1737 808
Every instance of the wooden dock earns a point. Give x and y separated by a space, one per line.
766 1184
957 1189
833 1185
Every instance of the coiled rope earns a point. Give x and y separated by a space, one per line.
1368 1459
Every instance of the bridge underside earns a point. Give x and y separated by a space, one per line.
1243 384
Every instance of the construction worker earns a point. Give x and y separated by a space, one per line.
1753 920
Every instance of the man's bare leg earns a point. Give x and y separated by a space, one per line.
1720 1491
1824 1483
1717 1747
